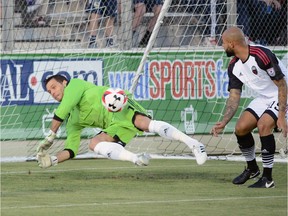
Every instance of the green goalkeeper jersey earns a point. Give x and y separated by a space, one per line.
82 100
82 105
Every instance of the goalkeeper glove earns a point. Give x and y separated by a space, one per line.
45 160
47 142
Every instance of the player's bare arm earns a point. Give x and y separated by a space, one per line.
231 108
282 98
232 105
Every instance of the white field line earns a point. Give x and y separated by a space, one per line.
56 170
53 170
143 202
277 158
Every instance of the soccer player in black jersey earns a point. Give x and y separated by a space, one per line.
258 68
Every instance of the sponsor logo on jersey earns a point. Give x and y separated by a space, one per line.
254 70
271 72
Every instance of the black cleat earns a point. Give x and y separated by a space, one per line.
246 175
263 182
109 42
145 39
92 42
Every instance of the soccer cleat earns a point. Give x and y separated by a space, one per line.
246 175
263 182
109 42
145 39
92 42
200 153
92 45
142 159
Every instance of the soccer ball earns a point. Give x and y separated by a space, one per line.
114 99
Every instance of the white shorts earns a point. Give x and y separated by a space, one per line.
259 106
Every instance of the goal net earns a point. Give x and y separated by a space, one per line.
182 76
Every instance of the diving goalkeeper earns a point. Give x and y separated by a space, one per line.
80 104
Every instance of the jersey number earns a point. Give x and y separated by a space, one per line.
274 106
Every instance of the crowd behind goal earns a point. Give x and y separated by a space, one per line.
197 23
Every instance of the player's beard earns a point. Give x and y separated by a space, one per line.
229 52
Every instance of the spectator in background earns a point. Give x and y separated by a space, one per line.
277 27
30 12
140 8
211 19
262 20
243 19
208 11
101 9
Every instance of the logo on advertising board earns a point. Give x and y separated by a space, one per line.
178 79
22 81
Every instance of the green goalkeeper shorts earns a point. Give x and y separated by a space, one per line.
122 127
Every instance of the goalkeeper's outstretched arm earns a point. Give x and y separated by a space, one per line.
55 124
48 141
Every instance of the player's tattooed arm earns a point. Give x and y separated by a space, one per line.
232 104
282 95
282 103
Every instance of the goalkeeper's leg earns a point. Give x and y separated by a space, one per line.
168 131
116 151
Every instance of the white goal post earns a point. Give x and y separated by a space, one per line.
180 76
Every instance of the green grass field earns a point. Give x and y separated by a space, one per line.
166 187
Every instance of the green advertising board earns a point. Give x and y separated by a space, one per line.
187 89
